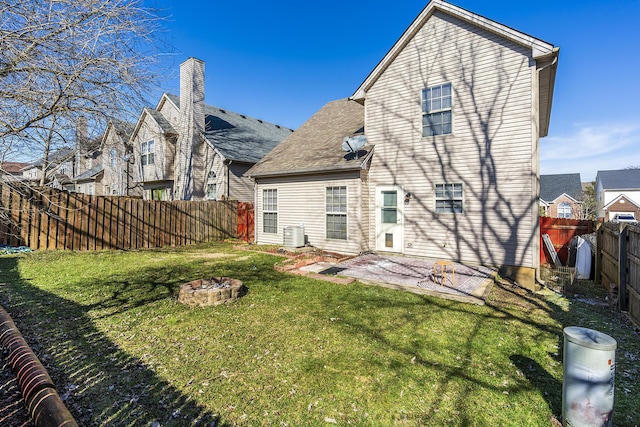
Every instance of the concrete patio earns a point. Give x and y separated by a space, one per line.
471 283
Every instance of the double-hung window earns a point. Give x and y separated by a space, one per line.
147 153
112 158
449 198
437 102
336 211
270 210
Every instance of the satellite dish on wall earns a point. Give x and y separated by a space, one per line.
353 144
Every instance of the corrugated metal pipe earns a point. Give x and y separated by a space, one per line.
41 398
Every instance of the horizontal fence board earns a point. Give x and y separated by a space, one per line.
45 218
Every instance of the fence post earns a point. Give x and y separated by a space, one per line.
598 270
622 268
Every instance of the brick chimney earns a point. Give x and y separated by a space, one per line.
189 161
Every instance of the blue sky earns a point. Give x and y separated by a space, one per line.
281 61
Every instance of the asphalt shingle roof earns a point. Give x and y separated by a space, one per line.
162 122
625 179
552 186
317 145
238 137
91 173
241 138
57 157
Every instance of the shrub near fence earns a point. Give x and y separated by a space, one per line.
54 219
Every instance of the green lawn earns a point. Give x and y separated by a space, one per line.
293 351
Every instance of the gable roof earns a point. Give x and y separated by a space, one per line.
235 136
317 145
543 52
625 179
619 198
241 138
56 158
554 186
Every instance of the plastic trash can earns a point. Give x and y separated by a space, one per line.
589 372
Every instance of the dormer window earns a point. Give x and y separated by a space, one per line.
437 102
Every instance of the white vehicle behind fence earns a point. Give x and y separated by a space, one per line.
626 218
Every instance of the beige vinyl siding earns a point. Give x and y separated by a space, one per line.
122 174
489 152
162 168
170 112
241 187
301 202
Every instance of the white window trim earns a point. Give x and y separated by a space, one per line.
564 206
345 213
147 151
270 211
437 199
436 111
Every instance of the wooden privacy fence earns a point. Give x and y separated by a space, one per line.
53 219
561 231
618 264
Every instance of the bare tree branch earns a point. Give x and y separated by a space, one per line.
62 59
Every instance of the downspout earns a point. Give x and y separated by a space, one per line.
538 279
228 163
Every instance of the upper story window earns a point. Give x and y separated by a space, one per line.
437 102
565 210
112 157
147 153
449 198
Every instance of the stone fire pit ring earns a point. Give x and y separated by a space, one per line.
214 291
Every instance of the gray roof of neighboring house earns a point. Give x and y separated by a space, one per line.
162 122
124 128
89 174
553 186
317 145
625 179
239 137
56 157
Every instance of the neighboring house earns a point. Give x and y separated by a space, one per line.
12 171
618 192
454 111
58 170
187 150
107 167
560 195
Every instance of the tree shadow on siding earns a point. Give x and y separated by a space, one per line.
492 152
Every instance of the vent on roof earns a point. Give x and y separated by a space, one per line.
260 121
243 116
222 111
278 126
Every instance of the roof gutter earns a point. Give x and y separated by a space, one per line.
552 82
289 172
